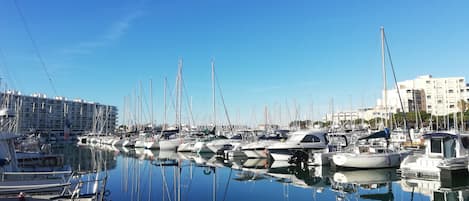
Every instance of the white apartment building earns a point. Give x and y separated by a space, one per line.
39 114
438 96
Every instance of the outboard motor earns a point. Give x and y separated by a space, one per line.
298 158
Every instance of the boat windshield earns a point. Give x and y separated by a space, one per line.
295 138
449 148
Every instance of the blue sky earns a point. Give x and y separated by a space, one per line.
267 53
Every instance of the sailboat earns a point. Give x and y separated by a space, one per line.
369 156
173 141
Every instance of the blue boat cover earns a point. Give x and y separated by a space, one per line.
380 134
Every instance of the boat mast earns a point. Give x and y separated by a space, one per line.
151 103
384 79
213 94
179 98
165 110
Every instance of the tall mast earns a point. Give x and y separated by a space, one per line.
165 110
151 103
179 92
213 93
384 79
140 110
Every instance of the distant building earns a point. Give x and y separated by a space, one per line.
438 96
39 114
344 116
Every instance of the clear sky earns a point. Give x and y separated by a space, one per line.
267 53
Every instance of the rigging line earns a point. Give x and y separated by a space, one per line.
145 101
36 49
6 72
227 184
224 105
188 102
165 182
397 87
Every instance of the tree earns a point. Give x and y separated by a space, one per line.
462 105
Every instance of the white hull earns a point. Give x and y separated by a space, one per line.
281 156
171 144
377 160
257 149
201 147
256 153
216 145
371 176
420 165
186 147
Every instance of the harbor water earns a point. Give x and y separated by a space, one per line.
141 174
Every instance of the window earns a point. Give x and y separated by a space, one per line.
310 138
429 107
435 145
449 148
428 81
465 142
440 101
451 106
429 97
450 91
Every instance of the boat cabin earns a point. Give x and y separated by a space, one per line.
446 144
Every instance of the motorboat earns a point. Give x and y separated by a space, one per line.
299 143
225 144
444 150
257 149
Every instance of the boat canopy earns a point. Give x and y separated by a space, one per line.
439 135
380 134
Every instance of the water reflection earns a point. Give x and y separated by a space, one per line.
141 174
347 183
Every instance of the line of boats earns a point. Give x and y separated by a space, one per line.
439 150
346 183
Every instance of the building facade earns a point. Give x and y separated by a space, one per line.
438 96
39 114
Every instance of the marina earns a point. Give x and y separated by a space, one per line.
141 174
234 100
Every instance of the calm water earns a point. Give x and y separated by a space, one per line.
138 174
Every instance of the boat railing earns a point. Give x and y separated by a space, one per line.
35 174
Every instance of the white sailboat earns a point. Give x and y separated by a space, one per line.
370 156
172 142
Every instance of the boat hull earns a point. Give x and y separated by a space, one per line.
380 160
171 144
